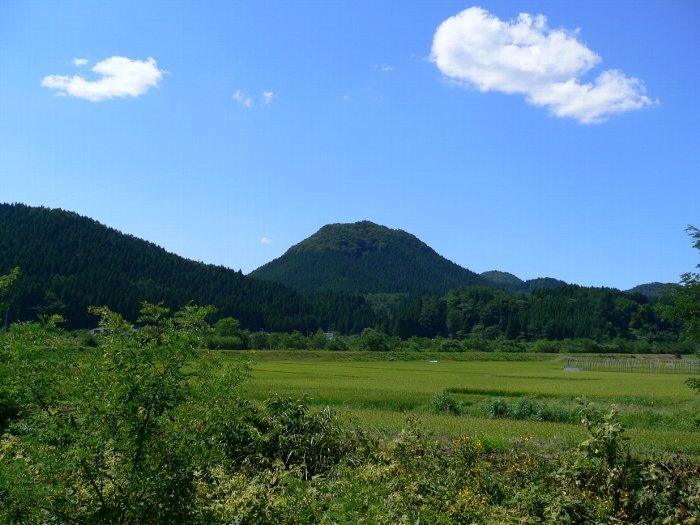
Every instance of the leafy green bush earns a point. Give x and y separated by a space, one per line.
444 403
496 407
297 436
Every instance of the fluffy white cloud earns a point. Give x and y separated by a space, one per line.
80 61
243 99
525 56
120 77
265 240
267 97
383 68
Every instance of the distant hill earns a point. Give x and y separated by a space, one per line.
504 280
509 282
366 258
652 290
70 262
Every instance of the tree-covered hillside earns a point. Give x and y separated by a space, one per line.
69 262
653 289
563 312
511 283
366 258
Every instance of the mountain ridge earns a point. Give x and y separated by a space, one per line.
70 262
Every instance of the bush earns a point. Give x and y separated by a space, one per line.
545 346
337 344
496 407
527 408
225 343
444 403
451 345
297 436
374 340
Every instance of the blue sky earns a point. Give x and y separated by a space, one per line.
567 148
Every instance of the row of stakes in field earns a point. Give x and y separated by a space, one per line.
671 366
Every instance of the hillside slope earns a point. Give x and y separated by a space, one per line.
69 262
363 258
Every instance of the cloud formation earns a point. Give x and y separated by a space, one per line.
80 61
383 68
243 99
120 77
476 48
265 240
266 98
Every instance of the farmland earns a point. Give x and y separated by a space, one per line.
659 411
145 428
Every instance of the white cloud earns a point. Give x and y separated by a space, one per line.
80 61
243 99
266 98
119 77
475 48
383 68
265 240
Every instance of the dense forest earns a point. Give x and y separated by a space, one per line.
548 313
69 262
372 277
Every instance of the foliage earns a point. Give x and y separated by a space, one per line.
443 402
133 430
6 282
374 340
145 429
684 300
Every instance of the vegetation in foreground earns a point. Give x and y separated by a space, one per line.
145 429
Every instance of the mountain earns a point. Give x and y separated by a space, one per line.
366 258
509 282
70 262
652 290
504 280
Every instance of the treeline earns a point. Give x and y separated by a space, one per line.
564 312
69 263
375 340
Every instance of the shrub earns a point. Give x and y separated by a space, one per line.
496 407
527 408
444 403
545 346
225 343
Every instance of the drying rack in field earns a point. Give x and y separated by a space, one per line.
656 366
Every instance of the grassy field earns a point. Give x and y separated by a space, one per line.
659 410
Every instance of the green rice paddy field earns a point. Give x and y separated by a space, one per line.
660 412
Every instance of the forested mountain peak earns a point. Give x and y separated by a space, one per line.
653 290
358 239
508 281
503 278
365 257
